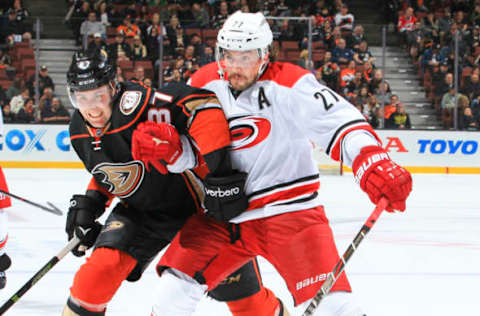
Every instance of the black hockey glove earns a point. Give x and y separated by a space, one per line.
82 215
225 196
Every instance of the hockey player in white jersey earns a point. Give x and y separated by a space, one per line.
5 202
275 111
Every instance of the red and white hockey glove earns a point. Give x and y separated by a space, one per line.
379 176
156 143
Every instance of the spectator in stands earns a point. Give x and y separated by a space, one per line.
362 96
475 17
5 59
139 51
471 86
330 71
447 105
3 97
120 76
128 28
92 26
155 24
406 24
177 76
355 84
347 75
104 14
362 54
207 56
17 102
14 27
375 81
16 88
344 19
45 99
26 114
392 106
322 16
147 82
44 81
399 119
340 54
201 16
383 92
221 16
431 26
119 47
357 36
370 110
152 43
55 113
433 57
176 36
97 43
79 15
303 60
8 116
467 121
442 87
115 16
139 73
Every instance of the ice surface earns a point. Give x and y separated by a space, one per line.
424 262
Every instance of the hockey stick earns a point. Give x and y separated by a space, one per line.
53 208
340 266
33 280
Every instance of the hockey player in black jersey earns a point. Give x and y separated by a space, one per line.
111 118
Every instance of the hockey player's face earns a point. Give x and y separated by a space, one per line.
94 105
241 68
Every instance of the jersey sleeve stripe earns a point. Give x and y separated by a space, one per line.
336 149
147 98
339 131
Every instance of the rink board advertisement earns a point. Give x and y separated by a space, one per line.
48 146
37 146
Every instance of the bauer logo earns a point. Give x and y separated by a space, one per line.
26 141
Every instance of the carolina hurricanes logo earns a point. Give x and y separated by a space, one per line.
248 131
122 179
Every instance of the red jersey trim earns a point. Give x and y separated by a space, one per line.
284 74
4 242
335 151
204 75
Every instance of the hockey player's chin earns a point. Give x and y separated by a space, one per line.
96 120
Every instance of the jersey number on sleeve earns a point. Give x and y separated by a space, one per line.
324 96
159 115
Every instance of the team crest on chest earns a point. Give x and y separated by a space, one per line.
248 131
121 179
129 101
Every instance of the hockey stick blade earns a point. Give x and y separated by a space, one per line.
340 266
40 274
53 210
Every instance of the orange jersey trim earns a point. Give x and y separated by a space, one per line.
210 130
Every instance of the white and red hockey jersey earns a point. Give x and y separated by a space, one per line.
273 124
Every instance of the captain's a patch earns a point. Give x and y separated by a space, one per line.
129 101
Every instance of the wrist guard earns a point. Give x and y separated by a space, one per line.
225 196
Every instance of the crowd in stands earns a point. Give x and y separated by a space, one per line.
428 31
135 33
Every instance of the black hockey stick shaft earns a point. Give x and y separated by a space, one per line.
340 266
44 270
53 208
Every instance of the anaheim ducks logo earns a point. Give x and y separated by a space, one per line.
248 131
122 179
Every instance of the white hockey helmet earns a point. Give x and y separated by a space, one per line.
243 32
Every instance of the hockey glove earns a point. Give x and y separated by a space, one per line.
225 196
379 176
157 144
82 215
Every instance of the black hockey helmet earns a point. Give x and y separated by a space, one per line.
89 69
